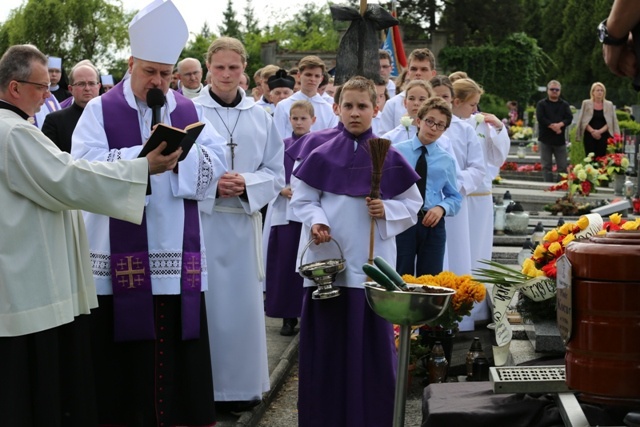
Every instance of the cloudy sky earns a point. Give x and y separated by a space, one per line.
266 11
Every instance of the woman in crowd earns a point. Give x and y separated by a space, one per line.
597 121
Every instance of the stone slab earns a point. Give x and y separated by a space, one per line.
544 337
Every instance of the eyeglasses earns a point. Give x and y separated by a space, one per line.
554 89
431 123
41 86
85 84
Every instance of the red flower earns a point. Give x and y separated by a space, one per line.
586 187
550 269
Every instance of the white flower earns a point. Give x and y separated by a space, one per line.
406 121
624 162
582 175
267 109
479 119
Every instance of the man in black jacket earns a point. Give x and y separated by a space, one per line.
554 116
84 86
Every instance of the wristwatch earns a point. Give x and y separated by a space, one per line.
605 38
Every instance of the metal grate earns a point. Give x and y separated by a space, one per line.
528 379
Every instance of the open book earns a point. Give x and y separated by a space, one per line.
175 138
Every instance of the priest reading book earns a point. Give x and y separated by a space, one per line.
175 138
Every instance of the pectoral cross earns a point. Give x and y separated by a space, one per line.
232 146
128 274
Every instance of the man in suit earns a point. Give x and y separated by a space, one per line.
84 86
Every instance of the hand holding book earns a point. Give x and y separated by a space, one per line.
174 137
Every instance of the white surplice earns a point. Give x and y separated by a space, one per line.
325 117
465 147
45 273
232 227
401 133
495 148
393 111
197 179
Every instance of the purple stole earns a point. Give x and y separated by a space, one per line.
66 102
130 272
50 103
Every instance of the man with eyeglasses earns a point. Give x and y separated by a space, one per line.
190 75
84 86
554 116
47 291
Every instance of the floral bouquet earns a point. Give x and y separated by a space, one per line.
615 144
614 164
521 133
580 179
535 281
468 292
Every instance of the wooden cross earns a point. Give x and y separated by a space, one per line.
232 146
128 276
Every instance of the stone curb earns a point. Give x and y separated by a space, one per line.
277 379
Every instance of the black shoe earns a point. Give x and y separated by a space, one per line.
288 327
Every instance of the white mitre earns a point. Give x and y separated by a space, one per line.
158 33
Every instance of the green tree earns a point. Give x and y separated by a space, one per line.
577 54
312 28
71 29
250 21
230 25
510 69
479 22
418 18
197 48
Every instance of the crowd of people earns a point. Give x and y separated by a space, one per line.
148 308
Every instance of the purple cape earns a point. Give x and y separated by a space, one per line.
335 167
309 142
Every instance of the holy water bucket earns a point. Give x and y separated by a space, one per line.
323 273
603 347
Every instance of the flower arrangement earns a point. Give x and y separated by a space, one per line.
521 133
616 222
614 163
580 179
468 292
615 144
542 263
569 206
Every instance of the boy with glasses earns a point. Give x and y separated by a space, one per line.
421 247
553 115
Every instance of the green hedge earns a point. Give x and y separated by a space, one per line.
629 127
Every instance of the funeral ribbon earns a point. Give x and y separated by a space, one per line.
537 289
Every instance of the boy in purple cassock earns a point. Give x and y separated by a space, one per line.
347 352
283 284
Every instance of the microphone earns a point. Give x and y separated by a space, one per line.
155 101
